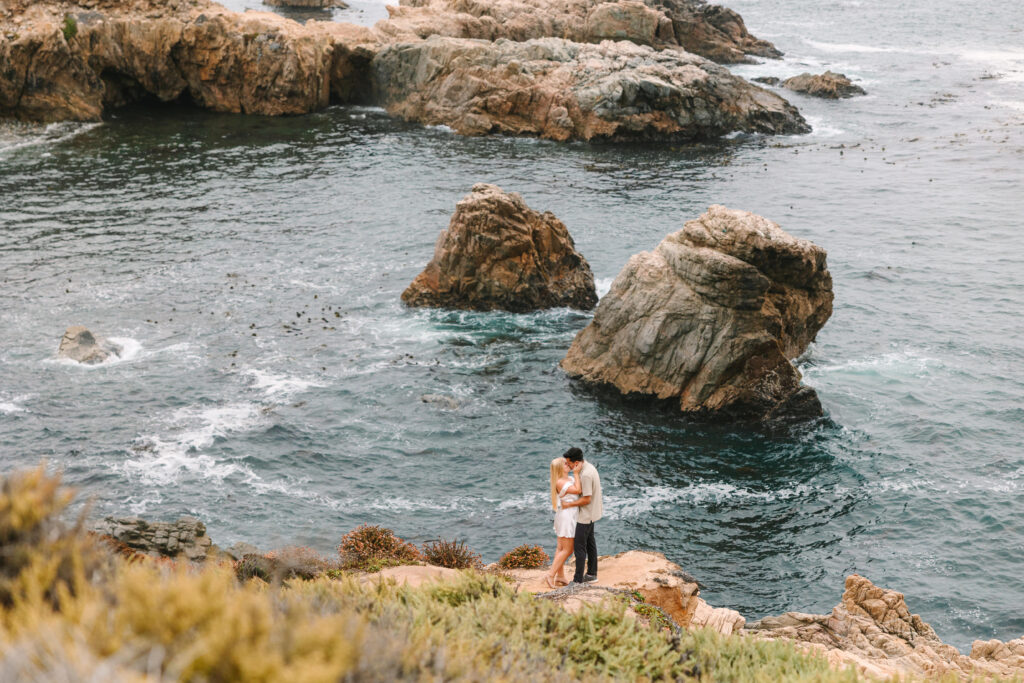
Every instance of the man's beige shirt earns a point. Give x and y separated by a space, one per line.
590 482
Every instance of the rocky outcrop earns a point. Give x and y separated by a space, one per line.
80 345
661 583
707 30
556 89
74 65
184 538
710 319
829 85
498 253
873 629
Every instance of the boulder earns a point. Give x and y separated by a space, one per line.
707 30
498 253
184 538
831 86
710 319
662 583
79 344
556 89
872 629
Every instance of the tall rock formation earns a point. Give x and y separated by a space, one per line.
711 319
498 253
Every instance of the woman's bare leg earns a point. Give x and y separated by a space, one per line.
562 552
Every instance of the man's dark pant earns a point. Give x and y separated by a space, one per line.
586 551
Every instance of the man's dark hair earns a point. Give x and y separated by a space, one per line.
573 454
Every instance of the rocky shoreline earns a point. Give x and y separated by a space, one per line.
870 629
558 69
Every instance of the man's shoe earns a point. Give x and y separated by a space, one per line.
588 578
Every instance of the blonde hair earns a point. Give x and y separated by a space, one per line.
557 467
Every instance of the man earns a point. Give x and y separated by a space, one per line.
591 507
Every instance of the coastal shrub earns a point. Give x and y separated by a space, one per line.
70 27
451 554
524 557
369 548
158 621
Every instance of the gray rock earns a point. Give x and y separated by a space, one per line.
829 85
79 344
241 549
185 537
711 319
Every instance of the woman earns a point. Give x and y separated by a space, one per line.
564 489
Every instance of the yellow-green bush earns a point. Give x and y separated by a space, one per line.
147 621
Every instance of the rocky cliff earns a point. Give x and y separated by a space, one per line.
65 61
711 318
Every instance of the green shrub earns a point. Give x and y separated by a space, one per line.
369 548
524 557
70 27
451 554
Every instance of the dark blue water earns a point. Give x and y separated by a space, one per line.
273 383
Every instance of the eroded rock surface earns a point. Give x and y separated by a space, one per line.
498 253
311 4
561 90
707 30
711 319
662 583
183 538
873 629
81 345
829 85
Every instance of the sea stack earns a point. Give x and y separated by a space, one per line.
499 254
711 319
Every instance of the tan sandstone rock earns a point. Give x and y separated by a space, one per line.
557 89
829 85
662 583
872 629
707 30
185 537
498 253
711 319
79 344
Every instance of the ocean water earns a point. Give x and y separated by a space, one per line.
272 380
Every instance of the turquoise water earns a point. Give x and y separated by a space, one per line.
252 267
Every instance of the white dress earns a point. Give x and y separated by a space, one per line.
565 518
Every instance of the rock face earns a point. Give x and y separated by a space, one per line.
829 85
873 629
185 537
707 30
79 344
557 89
661 582
498 253
711 319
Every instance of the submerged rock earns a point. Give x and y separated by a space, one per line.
711 319
557 89
498 253
707 30
185 537
828 85
872 629
79 344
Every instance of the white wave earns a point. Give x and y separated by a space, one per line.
697 494
441 128
1010 57
821 129
837 48
161 460
906 361
9 407
20 136
603 285
279 387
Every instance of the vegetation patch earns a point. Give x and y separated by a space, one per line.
70 27
451 554
524 557
370 548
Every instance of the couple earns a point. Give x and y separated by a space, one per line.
576 499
